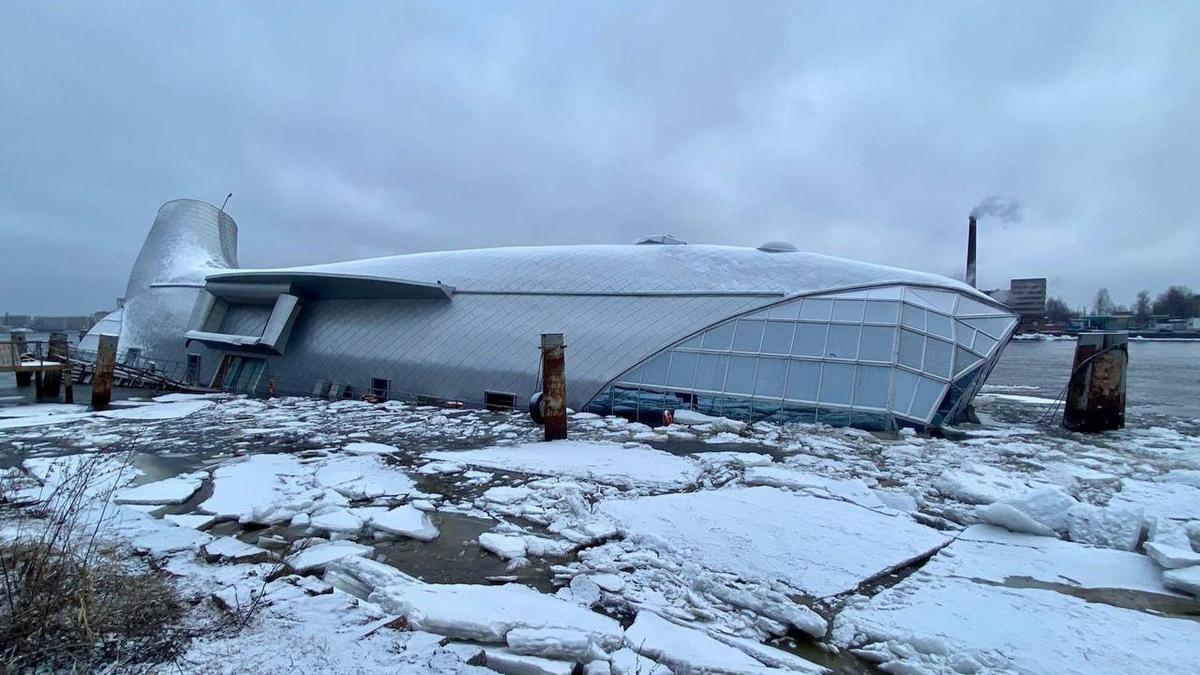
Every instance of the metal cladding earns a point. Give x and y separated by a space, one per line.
188 241
454 324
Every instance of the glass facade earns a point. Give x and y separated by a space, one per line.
873 358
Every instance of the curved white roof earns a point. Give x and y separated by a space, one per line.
623 269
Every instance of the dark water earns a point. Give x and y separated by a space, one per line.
1163 377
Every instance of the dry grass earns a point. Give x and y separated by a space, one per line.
67 600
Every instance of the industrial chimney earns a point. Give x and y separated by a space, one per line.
970 276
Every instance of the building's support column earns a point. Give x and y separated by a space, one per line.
1096 392
554 386
102 376
23 378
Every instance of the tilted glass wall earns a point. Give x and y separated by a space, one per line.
867 358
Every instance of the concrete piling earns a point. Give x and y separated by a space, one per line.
1096 393
102 377
554 386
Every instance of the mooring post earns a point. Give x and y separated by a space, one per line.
102 375
57 351
554 386
1096 392
18 340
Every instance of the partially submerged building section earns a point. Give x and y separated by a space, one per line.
751 333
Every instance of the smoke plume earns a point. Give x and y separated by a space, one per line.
1007 209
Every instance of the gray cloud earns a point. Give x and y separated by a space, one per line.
866 130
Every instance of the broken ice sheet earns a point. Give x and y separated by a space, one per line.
488 613
606 463
820 547
933 624
988 553
175 490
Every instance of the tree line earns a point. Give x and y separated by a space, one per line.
1177 302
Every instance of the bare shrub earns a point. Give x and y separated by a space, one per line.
68 601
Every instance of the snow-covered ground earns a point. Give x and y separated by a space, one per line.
421 539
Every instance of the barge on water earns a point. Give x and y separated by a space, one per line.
766 333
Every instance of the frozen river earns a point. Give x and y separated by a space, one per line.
1164 376
738 548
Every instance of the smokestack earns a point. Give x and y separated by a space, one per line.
970 277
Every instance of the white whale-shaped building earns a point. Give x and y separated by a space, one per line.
752 333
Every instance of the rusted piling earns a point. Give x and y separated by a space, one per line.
102 376
1096 392
24 378
554 386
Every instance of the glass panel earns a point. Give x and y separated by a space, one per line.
692 342
655 370
914 296
803 377
710 371
911 348
939 324
769 383
719 337
877 343
995 326
913 317
837 383
843 342
871 387
937 357
905 388
983 343
748 336
969 307
817 309
683 369
778 337
929 394
964 334
787 310
760 314
936 299
810 339
880 311
740 379
885 293
963 360
634 376
848 310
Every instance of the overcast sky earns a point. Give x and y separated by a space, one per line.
854 129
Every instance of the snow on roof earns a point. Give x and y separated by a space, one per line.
626 269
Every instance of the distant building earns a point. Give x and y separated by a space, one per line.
1026 297
1148 322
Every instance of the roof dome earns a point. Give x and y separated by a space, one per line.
778 247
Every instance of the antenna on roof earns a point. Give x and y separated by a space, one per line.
226 201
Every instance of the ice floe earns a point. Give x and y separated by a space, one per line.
407 521
175 490
820 547
947 625
488 613
607 463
